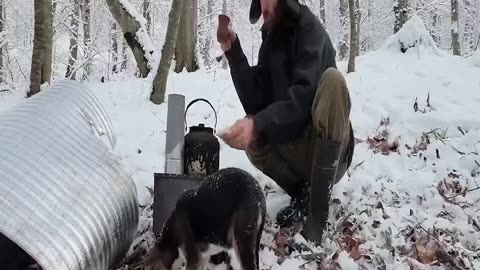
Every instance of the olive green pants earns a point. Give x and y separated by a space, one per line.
330 120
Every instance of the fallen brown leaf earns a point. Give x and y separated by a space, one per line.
281 243
352 246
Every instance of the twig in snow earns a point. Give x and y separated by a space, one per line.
470 190
439 136
350 171
341 224
458 151
461 130
415 104
358 165
474 222
158 118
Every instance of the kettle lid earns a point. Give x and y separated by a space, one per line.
201 128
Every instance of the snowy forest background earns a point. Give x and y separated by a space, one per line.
88 43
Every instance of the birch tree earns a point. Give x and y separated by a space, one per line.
114 53
186 44
469 29
343 41
207 38
87 39
123 66
433 32
41 68
455 28
322 11
74 34
160 82
147 14
2 19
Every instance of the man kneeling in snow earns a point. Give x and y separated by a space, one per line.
297 130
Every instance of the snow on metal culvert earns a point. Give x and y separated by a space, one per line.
64 197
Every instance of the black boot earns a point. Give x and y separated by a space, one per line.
280 172
324 170
297 209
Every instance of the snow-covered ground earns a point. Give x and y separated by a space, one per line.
410 199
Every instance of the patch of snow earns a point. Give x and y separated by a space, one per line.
346 262
413 36
475 59
133 11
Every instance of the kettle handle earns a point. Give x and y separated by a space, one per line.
200 99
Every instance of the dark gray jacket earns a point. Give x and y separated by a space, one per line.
280 89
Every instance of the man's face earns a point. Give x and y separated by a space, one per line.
268 9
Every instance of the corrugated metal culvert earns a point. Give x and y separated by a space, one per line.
64 197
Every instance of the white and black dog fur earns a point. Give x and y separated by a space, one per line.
225 212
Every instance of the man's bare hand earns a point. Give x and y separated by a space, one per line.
227 44
241 135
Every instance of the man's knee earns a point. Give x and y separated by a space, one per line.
333 86
331 106
333 74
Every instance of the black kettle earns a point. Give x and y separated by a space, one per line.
201 151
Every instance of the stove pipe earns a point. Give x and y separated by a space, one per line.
175 141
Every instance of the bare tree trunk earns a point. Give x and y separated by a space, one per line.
147 14
435 19
358 20
2 19
114 47
160 82
322 12
124 57
207 36
366 43
48 45
130 26
455 31
400 9
41 69
353 36
185 49
54 6
343 46
37 55
224 58
469 30
74 17
87 40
